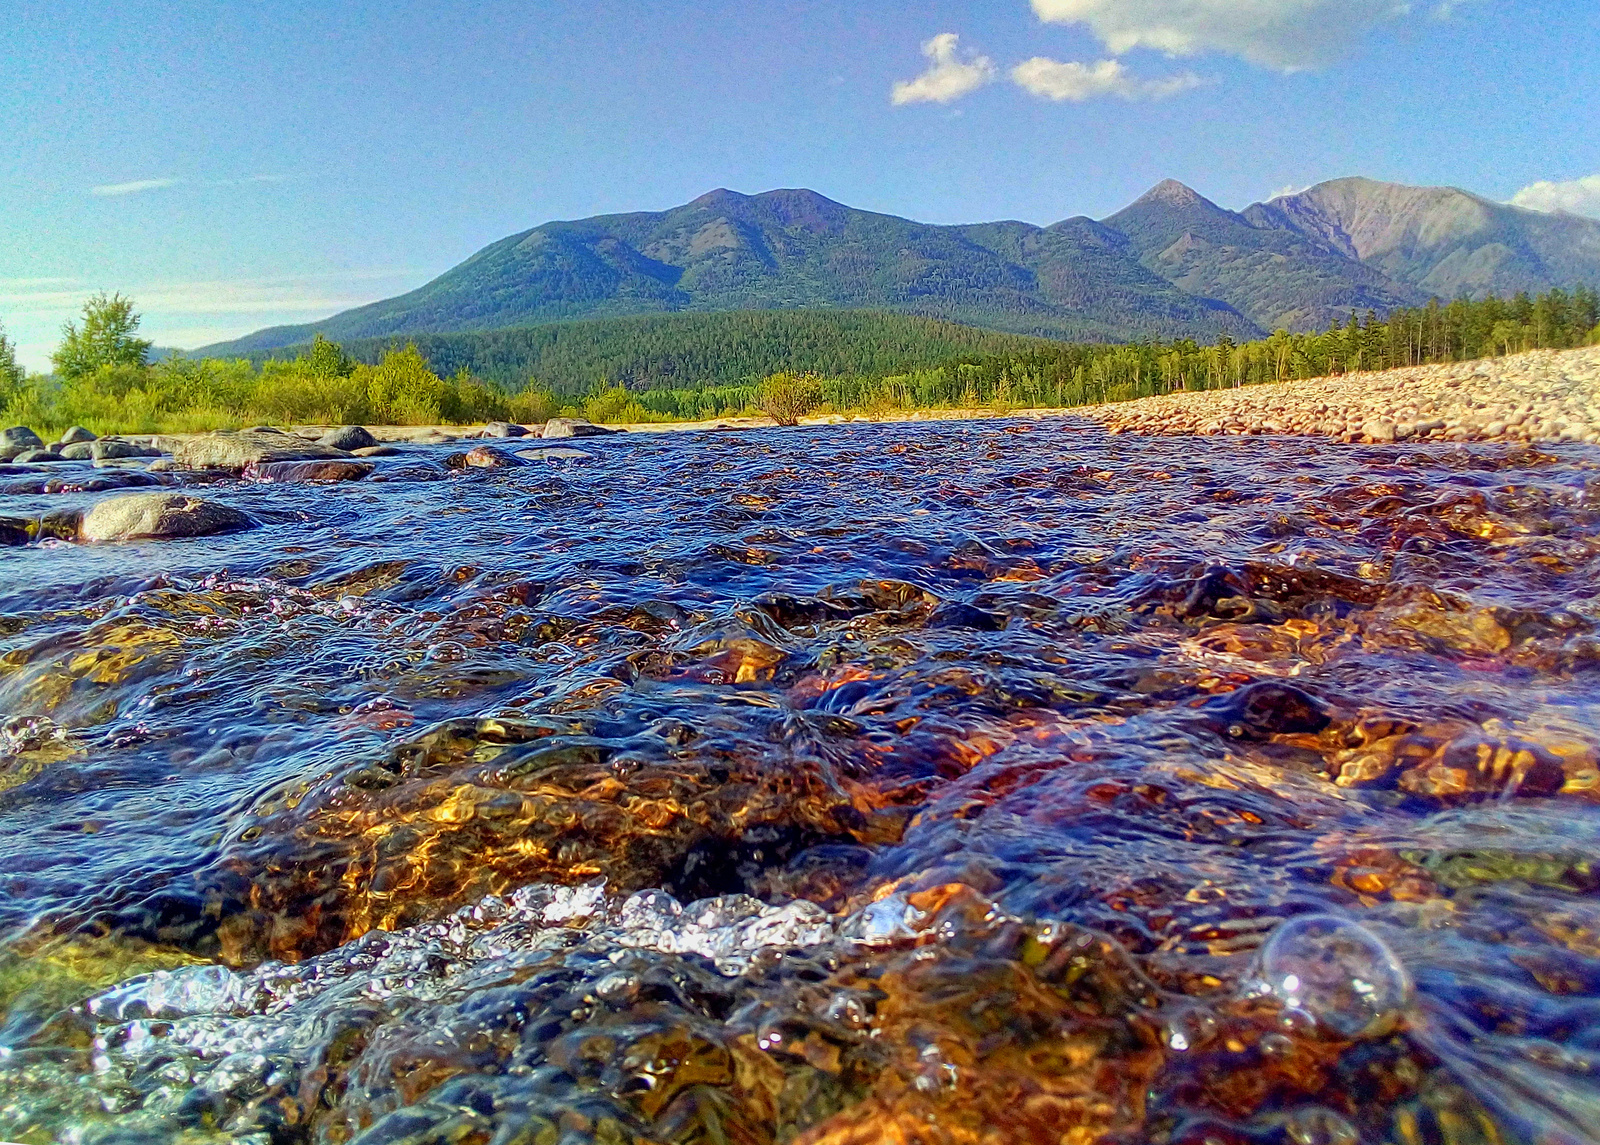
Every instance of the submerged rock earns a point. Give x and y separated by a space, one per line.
349 438
159 516
234 451
555 453
377 451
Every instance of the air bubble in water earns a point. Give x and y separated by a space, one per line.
1319 1126
1334 970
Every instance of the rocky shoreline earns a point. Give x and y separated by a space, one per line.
1544 395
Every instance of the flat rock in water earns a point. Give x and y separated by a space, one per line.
159 516
114 448
236 450
349 438
555 453
38 457
377 451
573 427
302 471
77 451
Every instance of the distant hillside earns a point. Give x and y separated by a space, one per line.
1171 265
1441 241
791 250
698 351
1277 277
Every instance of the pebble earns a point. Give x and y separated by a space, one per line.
1544 395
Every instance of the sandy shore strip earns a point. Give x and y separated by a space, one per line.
1544 395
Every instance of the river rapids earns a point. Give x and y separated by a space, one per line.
962 783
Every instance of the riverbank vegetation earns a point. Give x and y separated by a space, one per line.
696 367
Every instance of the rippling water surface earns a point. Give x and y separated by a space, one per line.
977 782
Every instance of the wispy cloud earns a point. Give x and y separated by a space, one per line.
1575 196
947 78
139 186
1288 35
135 187
1052 79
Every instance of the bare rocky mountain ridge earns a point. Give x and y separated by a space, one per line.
1172 264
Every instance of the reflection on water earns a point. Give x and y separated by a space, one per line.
954 783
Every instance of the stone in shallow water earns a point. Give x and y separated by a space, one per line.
151 516
1335 970
349 438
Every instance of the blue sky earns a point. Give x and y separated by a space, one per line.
234 165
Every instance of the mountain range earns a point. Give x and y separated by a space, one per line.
1172 264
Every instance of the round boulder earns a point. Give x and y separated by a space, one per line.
349 438
37 456
482 457
77 434
18 438
77 451
159 516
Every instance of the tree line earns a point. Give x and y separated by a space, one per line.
104 378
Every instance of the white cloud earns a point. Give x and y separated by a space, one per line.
947 78
1576 196
1289 35
1288 189
114 190
1051 79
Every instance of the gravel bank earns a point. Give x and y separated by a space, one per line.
1546 395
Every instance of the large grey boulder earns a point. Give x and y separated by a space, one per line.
78 451
37 456
234 451
18 439
573 427
349 438
159 516
77 434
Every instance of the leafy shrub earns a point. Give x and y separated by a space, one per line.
786 398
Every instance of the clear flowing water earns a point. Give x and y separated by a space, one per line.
969 782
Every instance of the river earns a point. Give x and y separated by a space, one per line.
956 782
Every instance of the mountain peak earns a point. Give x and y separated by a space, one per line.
1172 193
718 196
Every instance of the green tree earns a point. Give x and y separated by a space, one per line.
11 375
327 359
106 339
